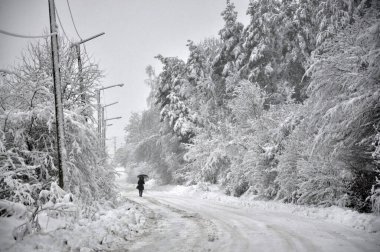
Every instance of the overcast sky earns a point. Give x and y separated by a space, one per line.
136 31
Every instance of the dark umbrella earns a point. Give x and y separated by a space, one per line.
142 175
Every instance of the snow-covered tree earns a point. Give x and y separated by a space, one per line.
171 98
339 118
28 154
230 35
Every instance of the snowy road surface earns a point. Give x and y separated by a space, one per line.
193 224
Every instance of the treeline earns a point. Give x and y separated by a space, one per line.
285 108
28 155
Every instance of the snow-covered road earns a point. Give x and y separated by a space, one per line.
193 224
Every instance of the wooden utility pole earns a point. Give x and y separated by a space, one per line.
57 98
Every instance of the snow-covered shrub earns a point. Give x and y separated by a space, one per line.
206 157
235 182
18 214
376 144
375 197
216 162
264 140
375 190
321 183
24 220
292 153
8 209
25 168
263 173
89 178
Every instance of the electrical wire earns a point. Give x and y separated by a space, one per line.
60 24
26 36
76 30
63 30
72 19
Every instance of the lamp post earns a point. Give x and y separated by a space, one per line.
99 108
104 130
77 47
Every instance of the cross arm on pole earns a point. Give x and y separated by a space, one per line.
113 118
116 85
87 39
110 104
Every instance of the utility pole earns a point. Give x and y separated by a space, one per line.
62 177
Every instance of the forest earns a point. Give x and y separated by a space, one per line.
286 108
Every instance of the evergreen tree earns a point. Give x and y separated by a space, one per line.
171 95
224 63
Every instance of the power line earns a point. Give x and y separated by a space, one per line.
60 24
76 30
72 19
26 36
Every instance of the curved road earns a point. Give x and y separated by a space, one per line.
193 224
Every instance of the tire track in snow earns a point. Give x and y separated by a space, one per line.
204 224
231 237
175 229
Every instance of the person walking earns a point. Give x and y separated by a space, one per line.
140 185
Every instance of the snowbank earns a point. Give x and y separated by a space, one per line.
334 214
108 228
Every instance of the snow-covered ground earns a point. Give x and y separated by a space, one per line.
190 219
197 218
367 222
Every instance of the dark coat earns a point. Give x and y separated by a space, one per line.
140 184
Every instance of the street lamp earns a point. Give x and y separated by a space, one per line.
77 47
113 118
103 123
110 104
99 108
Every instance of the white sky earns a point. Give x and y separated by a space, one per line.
136 31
